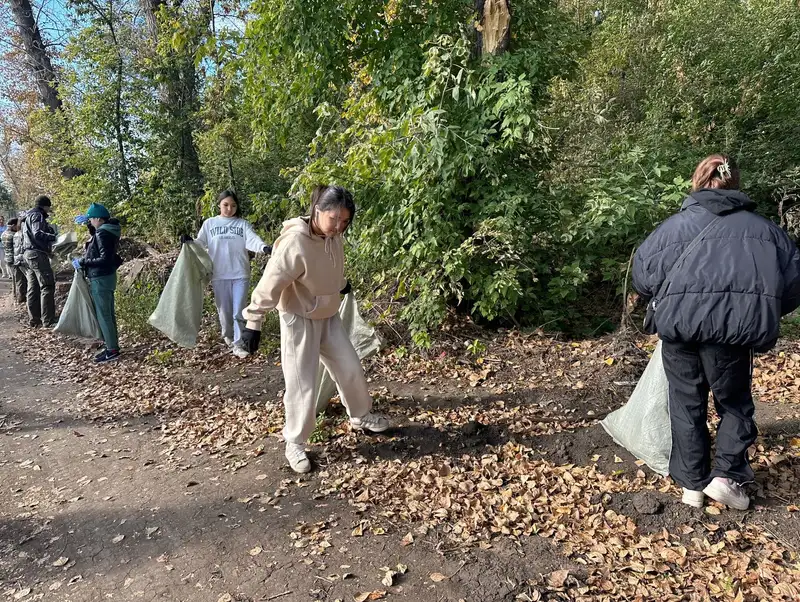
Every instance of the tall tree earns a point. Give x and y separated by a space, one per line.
40 64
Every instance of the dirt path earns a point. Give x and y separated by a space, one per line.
92 512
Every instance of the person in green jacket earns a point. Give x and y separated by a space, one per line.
100 263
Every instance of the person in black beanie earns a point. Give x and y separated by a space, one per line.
38 238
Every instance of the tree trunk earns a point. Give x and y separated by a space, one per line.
493 29
39 62
179 96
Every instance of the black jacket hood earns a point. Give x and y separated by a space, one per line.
720 201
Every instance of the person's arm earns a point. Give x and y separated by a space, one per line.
646 275
791 282
202 236
282 269
253 241
40 232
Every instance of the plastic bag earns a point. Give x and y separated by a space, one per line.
365 342
642 425
66 243
180 308
78 317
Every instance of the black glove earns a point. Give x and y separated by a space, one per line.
267 250
251 339
346 290
186 238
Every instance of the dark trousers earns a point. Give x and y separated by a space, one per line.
692 371
41 289
20 280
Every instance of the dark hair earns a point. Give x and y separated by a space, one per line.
325 198
13 221
230 194
716 171
43 201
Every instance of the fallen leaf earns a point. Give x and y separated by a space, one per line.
557 578
118 539
61 561
713 510
388 578
402 569
225 598
438 577
22 593
256 551
261 477
407 540
150 531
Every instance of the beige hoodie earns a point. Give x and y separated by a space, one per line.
303 276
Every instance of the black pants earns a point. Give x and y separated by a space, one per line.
727 371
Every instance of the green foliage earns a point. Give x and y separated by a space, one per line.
476 348
135 305
512 188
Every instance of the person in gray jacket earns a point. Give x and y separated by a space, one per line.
19 281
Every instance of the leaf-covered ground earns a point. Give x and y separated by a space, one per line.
497 452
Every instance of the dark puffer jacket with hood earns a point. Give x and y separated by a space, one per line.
733 287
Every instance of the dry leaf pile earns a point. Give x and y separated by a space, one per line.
502 491
776 375
511 493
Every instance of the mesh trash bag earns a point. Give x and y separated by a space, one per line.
180 308
364 339
78 317
642 425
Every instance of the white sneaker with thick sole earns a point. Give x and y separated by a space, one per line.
240 352
695 499
298 460
371 422
728 492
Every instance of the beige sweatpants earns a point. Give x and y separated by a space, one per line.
304 343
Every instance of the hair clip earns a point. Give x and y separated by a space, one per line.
724 170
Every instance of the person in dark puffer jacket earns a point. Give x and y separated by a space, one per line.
723 303
100 263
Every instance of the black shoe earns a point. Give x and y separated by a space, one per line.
35 324
107 356
100 356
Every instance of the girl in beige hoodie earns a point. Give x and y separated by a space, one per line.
303 280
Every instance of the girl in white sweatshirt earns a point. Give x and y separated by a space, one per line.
228 239
303 281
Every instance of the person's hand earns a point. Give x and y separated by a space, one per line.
251 339
186 238
347 288
76 263
81 220
267 250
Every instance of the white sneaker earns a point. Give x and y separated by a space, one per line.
695 499
240 352
298 460
371 422
728 492
229 341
